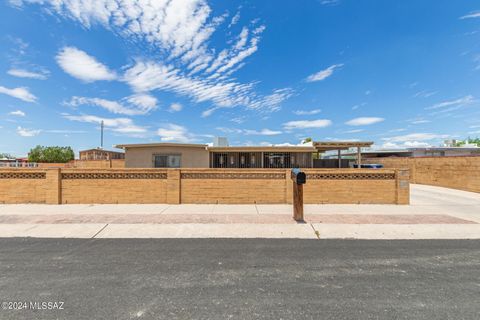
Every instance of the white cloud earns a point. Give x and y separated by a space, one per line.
354 131
21 93
364 121
471 15
230 130
416 144
397 130
355 107
234 20
175 133
145 102
418 121
406 144
263 132
424 94
138 104
307 112
415 137
80 65
120 125
19 113
330 2
149 75
456 103
238 120
27 132
175 107
323 74
181 29
181 33
307 124
22 73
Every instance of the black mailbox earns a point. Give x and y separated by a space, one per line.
298 176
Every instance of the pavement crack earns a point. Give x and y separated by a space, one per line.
103 228
165 209
315 231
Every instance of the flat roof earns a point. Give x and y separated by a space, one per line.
98 149
265 148
160 144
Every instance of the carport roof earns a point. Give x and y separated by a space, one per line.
340 145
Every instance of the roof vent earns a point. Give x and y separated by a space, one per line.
220 142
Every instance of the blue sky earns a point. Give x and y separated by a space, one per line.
399 73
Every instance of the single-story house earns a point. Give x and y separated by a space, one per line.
182 155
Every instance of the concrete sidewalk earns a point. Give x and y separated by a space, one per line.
434 213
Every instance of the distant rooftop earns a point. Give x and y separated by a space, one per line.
100 149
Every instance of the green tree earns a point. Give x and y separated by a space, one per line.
51 154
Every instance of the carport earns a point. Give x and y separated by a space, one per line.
323 146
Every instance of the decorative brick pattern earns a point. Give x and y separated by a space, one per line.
350 176
113 175
22 175
234 175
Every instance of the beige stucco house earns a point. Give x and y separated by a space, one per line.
181 155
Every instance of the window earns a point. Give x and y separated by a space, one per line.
434 153
166 160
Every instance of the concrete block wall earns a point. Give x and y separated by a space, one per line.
98 164
461 173
233 186
113 186
23 185
354 186
174 186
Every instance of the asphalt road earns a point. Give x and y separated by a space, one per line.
241 279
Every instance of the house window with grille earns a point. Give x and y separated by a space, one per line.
167 160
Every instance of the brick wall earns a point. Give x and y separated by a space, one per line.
461 173
22 186
98 164
173 186
350 186
233 186
113 186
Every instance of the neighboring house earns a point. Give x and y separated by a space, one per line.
100 154
179 155
422 152
16 162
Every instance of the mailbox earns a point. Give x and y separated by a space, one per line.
298 176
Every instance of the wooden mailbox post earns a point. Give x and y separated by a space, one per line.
299 179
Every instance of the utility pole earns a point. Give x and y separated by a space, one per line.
101 135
